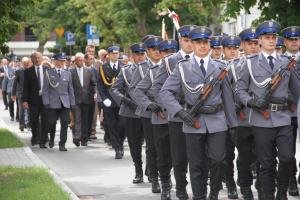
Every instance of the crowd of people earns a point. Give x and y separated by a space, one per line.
193 101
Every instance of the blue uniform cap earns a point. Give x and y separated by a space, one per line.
167 44
279 42
231 41
221 34
215 41
292 32
113 49
146 37
153 42
59 56
138 47
268 27
201 32
249 34
185 30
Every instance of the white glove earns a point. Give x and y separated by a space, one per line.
107 102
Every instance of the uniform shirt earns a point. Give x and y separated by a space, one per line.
274 55
206 59
80 74
41 73
297 55
112 65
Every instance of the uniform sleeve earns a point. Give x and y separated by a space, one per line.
45 94
71 92
101 88
115 90
228 101
140 91
14 87
136 78
294 85
25 86
160 78
170 89
243 84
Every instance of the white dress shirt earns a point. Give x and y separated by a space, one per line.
41 73
112 65
274 55
205 59
183 54
80 74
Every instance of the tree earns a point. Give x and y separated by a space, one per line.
11 20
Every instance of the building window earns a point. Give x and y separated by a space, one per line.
29 36
232 28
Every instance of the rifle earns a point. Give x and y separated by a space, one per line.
274 83
206 91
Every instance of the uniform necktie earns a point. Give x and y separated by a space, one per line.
187 56
114 68
202 67
271 62
58 71
38 77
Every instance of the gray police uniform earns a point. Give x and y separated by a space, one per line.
144 97
188 79
177 138
145 115
7 85
133 128
275 131
58 96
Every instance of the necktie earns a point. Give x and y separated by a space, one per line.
271 62
202 67
38 77
187 56
58 71
114 69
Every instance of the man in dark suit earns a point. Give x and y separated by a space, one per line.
84 84
32 99
108 74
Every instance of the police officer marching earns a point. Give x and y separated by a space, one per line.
133 128
292 44
58 98
205 131
270 118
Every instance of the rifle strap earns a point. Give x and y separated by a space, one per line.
168 66
261 84
141 71
124 76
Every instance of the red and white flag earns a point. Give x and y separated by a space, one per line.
175 19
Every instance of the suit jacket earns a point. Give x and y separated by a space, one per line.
8 81
31 87
221 94
247 89
18 85
120 89
109 75
84 94
58 91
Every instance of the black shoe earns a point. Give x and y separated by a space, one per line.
138 175
166 190
43 146
213 196
84 144
122 152
118 154
6 108
22 127
293 189
247 193
155 186
62 148
182 194
12 119
93 137
33 142
51 143
232 193
281 194
76 142
17 119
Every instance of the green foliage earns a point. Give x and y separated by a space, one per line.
29 183
8 140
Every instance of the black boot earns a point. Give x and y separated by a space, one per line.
232 193
293 189
155 186
247 193
182 194
118 154
138 175
281 194
166 190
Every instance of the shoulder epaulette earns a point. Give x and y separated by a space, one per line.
183 60
220 61
252 56
170 55
143 63
153 66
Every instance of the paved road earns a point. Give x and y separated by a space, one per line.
92 172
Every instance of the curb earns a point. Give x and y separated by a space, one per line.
36 160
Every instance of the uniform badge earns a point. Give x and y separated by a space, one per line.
271 23
203 29
293 29
253 30
169 42
140 45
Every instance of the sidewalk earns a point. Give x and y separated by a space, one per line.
91 172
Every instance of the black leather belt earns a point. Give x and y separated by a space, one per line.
278 107
210 109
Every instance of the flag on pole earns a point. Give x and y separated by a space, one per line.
175 18
164 33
